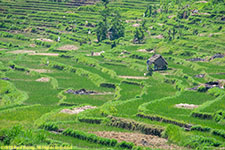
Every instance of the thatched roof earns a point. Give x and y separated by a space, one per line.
156 57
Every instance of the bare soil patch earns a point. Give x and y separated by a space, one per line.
139 139
200 76
164 73
133 21
96 53
41 70
22 51
43 79
171 16
146 50
86 92
160 24
136 25
45 54
68 47
201 2
196 14
133 77
158 36
45 40
32 45
77 110
186 106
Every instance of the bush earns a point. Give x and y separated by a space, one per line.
219 115
216 91
202 88
219 133
18 136
133 125
50 126
202 115
200 142
91 120
200 128
90 137
126 145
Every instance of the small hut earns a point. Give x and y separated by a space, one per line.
158 61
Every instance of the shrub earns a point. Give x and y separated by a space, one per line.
133 125
219 133
202 88
200 142
19 136
89 137
202 115
200 128
219 115
215 91
50 126
91 120
126 145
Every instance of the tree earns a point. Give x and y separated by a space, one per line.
169 35
107 29
101 31
105 3
174 32
139 35
117 29
164 6
102 27
143 25
148 11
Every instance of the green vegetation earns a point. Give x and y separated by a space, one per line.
71 69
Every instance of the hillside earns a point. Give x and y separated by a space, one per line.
73 74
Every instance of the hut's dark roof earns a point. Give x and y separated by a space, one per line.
155 57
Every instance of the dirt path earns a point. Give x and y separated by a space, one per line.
31 52
96 53
45 40
43 79
158 36
186 106
22 51
41 70
45 54
139 139
68 47
133 77
146 51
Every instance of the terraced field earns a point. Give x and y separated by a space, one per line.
60 86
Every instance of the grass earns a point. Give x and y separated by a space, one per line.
23 115
96 100
167 108
131 107
22 23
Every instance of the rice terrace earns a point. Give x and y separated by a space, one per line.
112 74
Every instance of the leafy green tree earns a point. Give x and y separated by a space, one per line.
164 6
143 25
102 27
174 32
113 29
148 11
139 35
105 3
169 36
101 31
117 29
